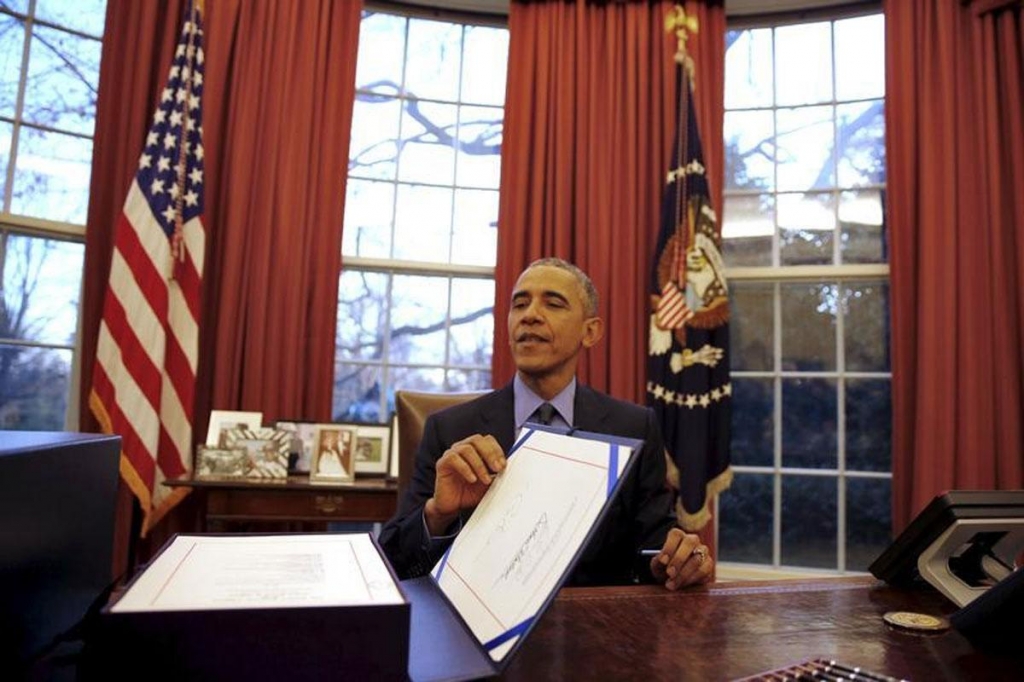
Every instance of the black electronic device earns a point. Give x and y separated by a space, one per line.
962 543
995 620
58 493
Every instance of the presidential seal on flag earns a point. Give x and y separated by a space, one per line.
691 277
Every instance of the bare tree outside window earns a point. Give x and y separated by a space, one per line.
416 299
49 72
805 242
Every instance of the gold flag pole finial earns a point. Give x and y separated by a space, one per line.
682 25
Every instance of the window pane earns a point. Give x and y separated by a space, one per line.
63 73
87 16
808 327
475 237
868 520
381 51
809 521
801 78
41 283
745 523
462 380
373 149
362 302
472 322
868 425
807 224
748 68
753 418
428 143
862 222
12 41
34 387
805 149
432 69
357 393
866 328
479 150
6 131
414 379
423 223
752 327
368 207
747 227
419 307
861 152
809 429
20 6
749 150
860 57
484 65
51 176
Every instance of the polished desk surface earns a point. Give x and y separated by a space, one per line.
729 631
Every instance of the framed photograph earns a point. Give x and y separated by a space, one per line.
373 449
302 444
216 462
395 441
222 420
266 449
333 460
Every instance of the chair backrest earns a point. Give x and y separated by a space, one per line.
413 408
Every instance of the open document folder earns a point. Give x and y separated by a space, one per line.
257 607
205 572
508 561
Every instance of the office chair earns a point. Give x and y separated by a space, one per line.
413 408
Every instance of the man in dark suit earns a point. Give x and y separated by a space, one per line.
552 318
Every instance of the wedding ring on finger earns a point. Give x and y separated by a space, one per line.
701 553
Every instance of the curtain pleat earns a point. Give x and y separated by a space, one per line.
955 157
279 91
589 118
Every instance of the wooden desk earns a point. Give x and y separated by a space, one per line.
296 501
735 630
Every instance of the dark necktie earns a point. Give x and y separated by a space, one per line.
543 414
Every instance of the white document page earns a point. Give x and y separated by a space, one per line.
198 572
519 541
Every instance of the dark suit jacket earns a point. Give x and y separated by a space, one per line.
640 517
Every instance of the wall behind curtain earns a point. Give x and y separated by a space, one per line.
955 147
589 121
279 92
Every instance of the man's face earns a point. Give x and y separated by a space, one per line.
548 323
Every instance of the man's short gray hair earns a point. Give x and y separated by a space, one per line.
590 299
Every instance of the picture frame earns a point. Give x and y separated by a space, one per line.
303 433
333 457
373 449
266 449
222 420
213 462
395 442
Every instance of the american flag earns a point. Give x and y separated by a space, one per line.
143 386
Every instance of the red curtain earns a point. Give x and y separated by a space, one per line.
589 117
955 146
279 92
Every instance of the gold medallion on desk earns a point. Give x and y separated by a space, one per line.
916 621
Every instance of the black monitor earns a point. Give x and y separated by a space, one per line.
57 500
963 542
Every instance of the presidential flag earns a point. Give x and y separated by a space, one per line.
688 363
143 386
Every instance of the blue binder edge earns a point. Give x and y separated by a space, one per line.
442 647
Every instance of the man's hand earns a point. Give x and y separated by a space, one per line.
683 561
463 474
